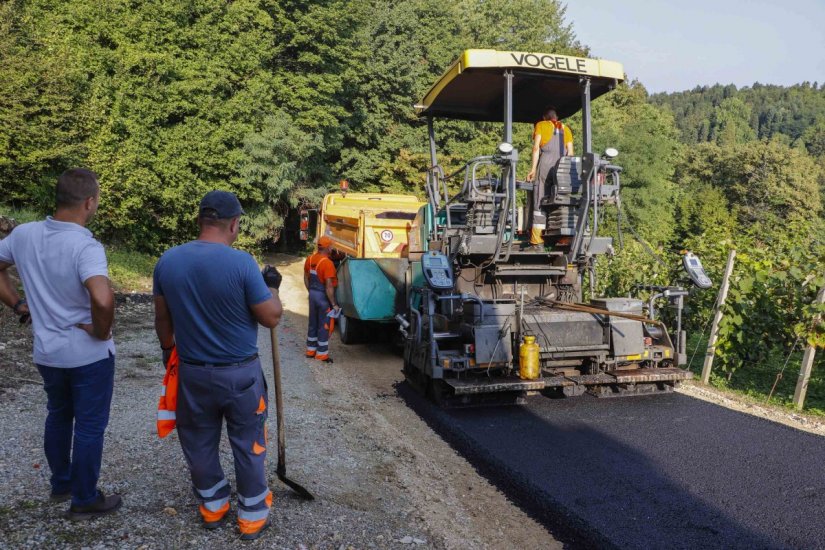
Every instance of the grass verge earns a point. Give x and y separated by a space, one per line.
755 380
20 215
130 271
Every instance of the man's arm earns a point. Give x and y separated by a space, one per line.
329 287
268 313
536 153
306 280
568 141
103 307
8 294
163 324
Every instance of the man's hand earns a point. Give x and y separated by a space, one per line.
531 175
90 330
103 306
23 312
167 353
272 277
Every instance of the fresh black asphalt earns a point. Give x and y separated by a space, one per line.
664 471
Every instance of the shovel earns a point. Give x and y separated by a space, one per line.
279 408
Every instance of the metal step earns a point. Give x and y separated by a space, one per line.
490 385
633 376
445 335
529 269
471 386
650 375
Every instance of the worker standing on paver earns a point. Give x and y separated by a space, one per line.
72 308
320 280
551 140
209 299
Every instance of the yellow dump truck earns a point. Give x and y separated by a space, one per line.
371 230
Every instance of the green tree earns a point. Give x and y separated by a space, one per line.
648 149
42 120
814 139
730 123
275 174
766 183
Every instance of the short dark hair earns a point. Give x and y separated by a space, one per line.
75 185
547 112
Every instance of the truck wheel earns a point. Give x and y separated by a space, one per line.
350 329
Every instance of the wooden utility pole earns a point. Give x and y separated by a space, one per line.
807 362
717 317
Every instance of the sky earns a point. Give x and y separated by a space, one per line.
676 45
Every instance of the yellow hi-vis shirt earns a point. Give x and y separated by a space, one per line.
545 128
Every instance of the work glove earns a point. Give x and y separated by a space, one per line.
272 277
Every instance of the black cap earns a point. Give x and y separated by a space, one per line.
226 204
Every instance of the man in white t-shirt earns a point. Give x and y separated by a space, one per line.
68 295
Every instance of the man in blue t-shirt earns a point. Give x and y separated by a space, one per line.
209 300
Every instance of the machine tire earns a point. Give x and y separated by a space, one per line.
350 329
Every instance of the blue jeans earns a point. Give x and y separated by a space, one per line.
78 403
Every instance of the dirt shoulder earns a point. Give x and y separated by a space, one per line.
382 479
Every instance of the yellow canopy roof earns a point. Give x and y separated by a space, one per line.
473 86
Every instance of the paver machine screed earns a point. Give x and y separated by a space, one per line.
475 293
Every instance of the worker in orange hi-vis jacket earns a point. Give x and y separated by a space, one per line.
320 279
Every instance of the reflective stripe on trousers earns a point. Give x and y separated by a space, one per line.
253 511
317 324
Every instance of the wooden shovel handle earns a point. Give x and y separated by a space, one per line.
279 401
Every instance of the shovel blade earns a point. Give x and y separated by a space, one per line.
299 490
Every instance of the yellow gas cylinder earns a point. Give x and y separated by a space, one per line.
528 359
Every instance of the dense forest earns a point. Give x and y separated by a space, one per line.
794 115
275 99
278 99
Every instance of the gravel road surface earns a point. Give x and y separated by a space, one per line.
381 476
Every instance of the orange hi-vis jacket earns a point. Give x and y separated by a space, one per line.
168 403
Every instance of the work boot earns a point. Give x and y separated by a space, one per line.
257 534
324 358
102 506
210 525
